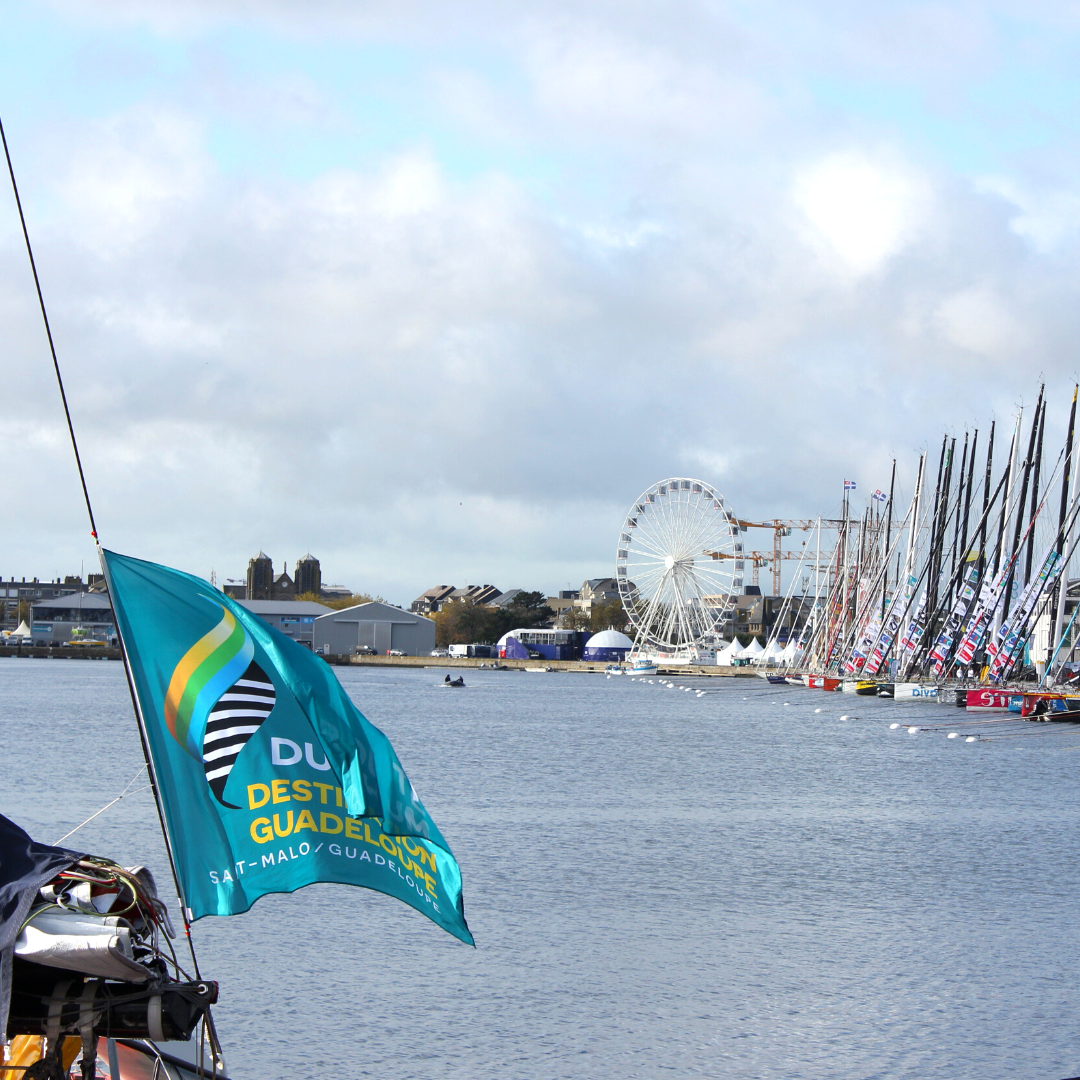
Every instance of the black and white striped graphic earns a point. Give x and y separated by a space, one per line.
232 721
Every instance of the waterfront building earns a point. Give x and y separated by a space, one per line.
13 592
294 618
374 627
75 616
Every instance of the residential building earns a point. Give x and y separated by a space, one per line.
374 626
505 599
563 602
427 603
597 590
294 618
472 594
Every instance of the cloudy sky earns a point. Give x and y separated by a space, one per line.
435 290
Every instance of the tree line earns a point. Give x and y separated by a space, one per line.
463 623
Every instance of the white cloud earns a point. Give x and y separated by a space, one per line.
1045 219
979 320
860 210
622 245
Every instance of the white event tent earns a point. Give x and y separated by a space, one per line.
728 654
751 650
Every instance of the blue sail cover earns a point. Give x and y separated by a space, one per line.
269 776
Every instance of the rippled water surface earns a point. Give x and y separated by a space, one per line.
660 884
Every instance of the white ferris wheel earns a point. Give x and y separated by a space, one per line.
678 566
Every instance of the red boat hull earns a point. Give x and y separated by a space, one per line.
995 700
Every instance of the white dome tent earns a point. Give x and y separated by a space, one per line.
607 645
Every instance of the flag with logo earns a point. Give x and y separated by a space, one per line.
269 776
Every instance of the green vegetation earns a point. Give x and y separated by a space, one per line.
462 623
343 601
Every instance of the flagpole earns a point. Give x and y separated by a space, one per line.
140 722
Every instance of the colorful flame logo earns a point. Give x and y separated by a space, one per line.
217 699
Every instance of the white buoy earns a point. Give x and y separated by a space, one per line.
971 738
912 730
893 727
787 702
844 717
954 734
686 689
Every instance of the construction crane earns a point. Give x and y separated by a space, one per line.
758 559
780 528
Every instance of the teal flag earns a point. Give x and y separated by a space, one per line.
269 776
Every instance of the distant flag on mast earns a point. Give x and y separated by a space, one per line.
880 496
849 485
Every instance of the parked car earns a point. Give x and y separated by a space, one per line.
440 652
365 650
395 652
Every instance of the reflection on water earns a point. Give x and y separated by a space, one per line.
660 885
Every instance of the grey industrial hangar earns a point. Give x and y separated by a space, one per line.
381 627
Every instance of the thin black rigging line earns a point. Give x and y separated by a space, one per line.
48 334
93 532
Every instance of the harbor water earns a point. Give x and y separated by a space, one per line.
661 884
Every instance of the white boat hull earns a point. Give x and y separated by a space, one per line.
910 691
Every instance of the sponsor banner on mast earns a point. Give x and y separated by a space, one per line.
897 610
1012 629
940 652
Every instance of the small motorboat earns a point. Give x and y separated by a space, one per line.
455 683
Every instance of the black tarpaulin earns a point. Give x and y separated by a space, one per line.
24 867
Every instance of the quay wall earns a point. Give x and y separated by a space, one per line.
598 667
59 652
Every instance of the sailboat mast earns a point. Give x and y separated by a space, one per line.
1008 492
1020 507
986 499
1035 492
1057 617
960 487
888 539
